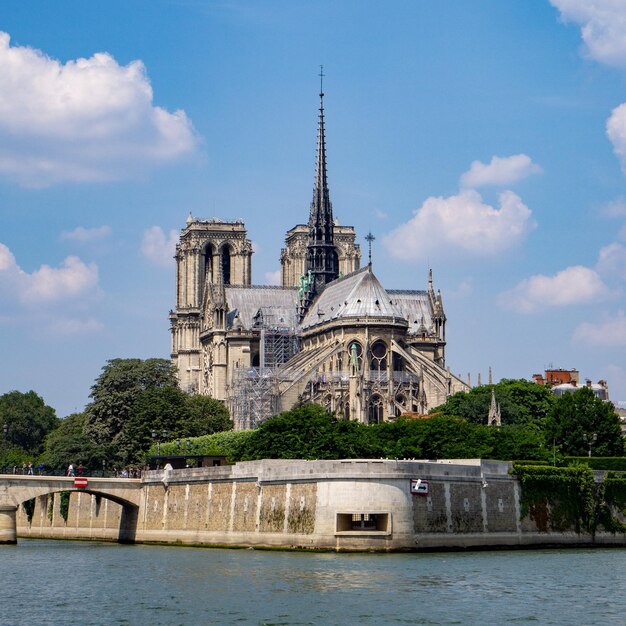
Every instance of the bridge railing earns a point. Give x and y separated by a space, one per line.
46 471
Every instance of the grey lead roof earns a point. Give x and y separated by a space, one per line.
360 294
277 306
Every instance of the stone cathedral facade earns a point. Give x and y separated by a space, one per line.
330 334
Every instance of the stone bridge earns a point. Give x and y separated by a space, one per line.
14 490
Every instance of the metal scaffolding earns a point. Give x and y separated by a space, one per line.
254 391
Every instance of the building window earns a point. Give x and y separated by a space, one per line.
363 522
375 409
379 356
226 265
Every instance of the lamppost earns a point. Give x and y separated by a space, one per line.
5 430
590 441
155 435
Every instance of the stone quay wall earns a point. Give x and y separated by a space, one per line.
337 505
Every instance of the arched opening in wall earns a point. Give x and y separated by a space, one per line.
226 262
400 402
378 361
397 362
207 259
343 408
328 403
335 261
355 357
375 412
256 360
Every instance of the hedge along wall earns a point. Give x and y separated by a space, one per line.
559 499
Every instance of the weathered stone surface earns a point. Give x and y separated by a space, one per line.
312 504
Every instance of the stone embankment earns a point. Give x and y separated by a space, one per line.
380 505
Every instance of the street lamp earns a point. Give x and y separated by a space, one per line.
590 441
5 430
155 435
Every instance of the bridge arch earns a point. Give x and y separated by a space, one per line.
18 490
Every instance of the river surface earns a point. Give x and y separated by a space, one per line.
83 583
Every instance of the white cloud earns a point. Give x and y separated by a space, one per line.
612 261
158 247
499 171
85 120
603 27
461 224
273 278
572 286
381 215
82 234
72 279
610 333
615 208
616 131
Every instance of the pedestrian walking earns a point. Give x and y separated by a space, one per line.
70 470
30 469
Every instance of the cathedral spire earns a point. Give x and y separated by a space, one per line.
321 214
322 263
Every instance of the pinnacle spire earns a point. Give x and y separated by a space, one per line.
322 263
321 215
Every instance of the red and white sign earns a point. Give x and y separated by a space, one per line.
419 486
80 481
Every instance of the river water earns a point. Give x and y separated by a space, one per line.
83 583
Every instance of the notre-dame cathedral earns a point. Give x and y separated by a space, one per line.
330 334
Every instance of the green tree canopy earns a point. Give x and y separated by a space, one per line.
206 415
28 418
308 432
69 444
578 420
522 403
115 391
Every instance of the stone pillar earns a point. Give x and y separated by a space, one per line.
8 524
128 523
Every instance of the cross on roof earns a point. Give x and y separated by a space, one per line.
369 238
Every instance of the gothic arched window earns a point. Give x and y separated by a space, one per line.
379 356
226 265
375 409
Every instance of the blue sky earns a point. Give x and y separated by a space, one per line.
484 139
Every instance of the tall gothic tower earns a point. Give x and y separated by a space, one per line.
212 254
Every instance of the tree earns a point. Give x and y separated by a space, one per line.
579 420
206 416
521 403
69 444
28 418
307 432
162 410
115 391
